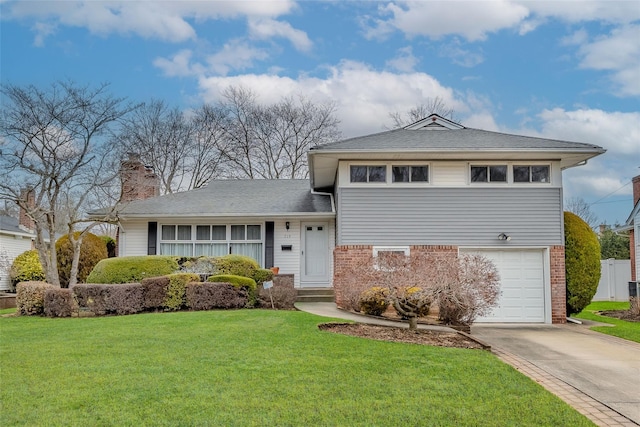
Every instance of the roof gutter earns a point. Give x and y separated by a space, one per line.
321 193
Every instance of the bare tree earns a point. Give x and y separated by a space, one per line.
272 141
162 136
580 207
435 105
53 145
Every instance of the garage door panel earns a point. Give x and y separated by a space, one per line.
522 285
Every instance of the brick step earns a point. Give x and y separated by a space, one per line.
315 291
314 298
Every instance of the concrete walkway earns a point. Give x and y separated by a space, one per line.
597 374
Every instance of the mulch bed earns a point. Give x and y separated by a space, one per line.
621 314
388 333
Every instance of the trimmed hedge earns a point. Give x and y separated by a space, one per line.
582 262
239 282
101 299
30 297
154 292
236 265
59 302
284 296
92 250
26 267
210 295
132 269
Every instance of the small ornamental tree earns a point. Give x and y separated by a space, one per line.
462 286
92 251
582 262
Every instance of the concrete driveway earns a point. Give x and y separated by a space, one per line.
605 368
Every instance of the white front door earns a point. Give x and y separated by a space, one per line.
315 254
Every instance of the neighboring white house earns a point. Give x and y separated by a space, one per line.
633 226
14 240
431 186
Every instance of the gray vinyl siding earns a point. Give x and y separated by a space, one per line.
450 216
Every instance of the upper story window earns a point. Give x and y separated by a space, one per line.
537 173
490 173
368 173
410 173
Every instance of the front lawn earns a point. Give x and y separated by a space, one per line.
622 329
251 367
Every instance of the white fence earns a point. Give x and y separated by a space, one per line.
614 280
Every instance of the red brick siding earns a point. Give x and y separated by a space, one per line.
558 285
347 257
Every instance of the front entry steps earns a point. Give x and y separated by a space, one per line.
315 295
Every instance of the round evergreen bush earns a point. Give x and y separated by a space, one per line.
374 301
26 268
582 262
237 265
92 250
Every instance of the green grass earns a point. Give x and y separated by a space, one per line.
7 311
621 329
251 368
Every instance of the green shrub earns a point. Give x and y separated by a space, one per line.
237 265
582 262
374 301
26 268
208 295
92 250
30 297
176 297
246 283
59 302
110 244
262 275
132 269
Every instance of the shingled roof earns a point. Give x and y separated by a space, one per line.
220 198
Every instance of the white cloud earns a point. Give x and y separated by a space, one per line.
471 20
576 38
617 132
573 11
235 55
179 65
167 20
266 28
364 97
618 52
404 61
459 55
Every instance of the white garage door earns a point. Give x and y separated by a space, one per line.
522 279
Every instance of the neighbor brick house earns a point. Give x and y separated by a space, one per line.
433 186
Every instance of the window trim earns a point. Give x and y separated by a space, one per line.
531 165
488 165
389 164
228 240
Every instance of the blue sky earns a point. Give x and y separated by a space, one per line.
561 69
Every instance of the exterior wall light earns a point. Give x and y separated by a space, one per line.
286 225
503 236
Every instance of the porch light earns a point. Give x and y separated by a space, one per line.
504 236
286 225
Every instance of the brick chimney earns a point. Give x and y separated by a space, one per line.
29 197
636 189
138 181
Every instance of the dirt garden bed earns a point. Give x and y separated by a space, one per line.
627 315
420 336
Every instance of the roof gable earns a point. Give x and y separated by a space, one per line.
434 122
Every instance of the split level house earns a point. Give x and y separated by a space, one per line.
433 186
